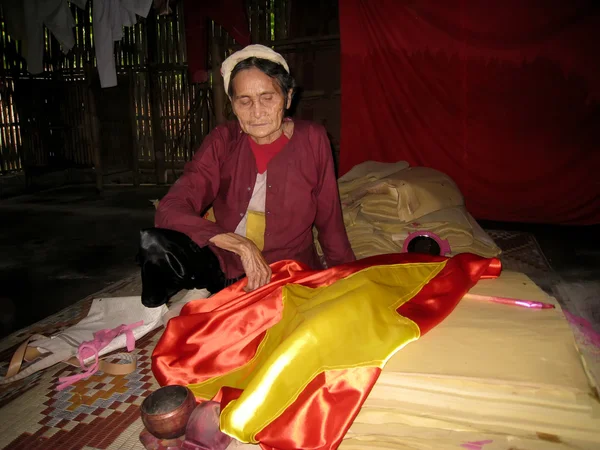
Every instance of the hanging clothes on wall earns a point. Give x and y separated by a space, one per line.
108 19
25 21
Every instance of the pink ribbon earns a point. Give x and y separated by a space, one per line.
92 348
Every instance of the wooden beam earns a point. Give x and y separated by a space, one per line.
135 148
279 44
97 146
218 88
154 88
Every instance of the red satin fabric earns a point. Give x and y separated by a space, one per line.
501 96
212 337
323 413
242 318
439 298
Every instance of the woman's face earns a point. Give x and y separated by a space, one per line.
258 104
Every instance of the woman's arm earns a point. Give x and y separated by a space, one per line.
195 191
329 220
256 268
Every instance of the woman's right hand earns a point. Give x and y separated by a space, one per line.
256 268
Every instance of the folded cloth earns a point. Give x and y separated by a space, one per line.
453 224
493 372
406 195
383 203
369 171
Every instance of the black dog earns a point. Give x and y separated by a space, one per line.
171 261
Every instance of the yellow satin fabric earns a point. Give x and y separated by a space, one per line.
255 228
210 215
351 323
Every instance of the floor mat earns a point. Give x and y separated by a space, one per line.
101 412
580 300
522 253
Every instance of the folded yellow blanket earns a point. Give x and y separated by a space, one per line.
489 372
383 203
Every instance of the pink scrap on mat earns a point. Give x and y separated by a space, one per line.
92 348
587 330
476 445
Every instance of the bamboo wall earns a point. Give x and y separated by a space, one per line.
61 104
63 119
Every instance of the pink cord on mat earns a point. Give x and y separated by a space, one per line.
587 330
92 348
476 445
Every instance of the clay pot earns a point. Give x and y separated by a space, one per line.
165 412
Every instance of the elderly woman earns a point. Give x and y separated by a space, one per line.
268 178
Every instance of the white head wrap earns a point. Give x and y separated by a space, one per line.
257 51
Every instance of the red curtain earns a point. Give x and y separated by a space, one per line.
504 97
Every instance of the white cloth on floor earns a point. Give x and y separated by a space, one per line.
104 313
177 306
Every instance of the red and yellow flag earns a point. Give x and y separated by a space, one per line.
293 362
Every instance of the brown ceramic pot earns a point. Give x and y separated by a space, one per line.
165 412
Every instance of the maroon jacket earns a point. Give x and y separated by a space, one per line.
301 191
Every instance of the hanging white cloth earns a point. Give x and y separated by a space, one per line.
108 19
25 21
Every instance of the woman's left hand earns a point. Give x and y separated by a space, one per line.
256 268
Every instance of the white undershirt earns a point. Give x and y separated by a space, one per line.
257 201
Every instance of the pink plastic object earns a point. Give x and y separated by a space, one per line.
203 432
151 442
443 243
92 348
532 304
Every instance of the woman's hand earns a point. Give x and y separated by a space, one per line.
256 268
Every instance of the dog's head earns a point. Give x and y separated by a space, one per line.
170 261
157 287
163 266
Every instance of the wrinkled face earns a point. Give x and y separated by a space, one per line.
259 105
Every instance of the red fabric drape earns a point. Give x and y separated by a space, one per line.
211 339
230 14
504 97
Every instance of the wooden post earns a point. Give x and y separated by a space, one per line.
254 23
218 87
95 128
95 122
135 161
158 135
